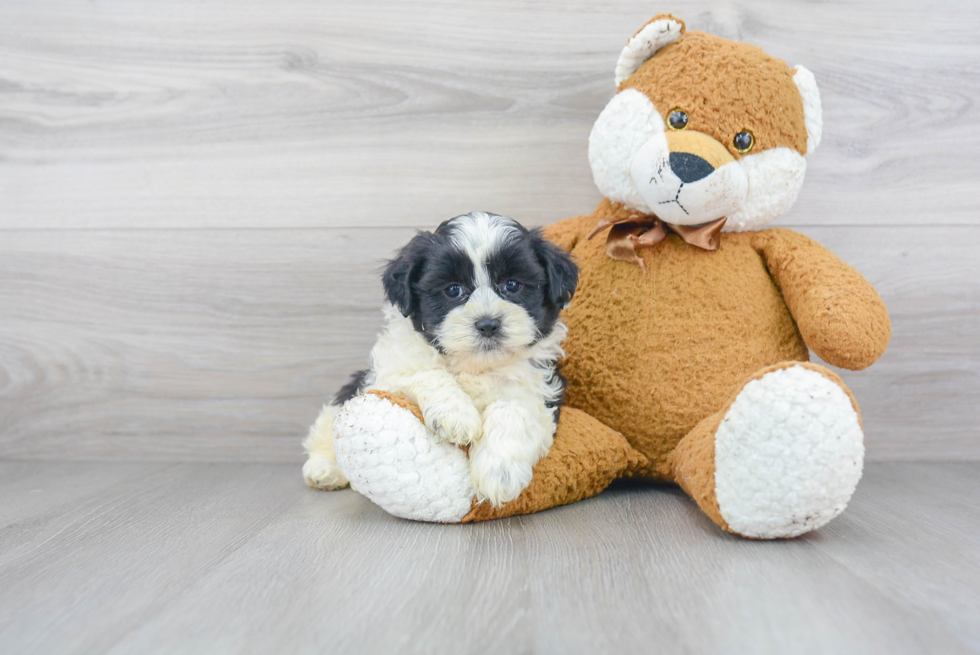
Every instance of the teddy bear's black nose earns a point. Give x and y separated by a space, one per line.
488 326
688 167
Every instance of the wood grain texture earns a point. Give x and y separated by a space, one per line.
221 345
224 113
193 198
180 344
921 400
242 558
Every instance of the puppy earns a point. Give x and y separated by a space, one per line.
472 336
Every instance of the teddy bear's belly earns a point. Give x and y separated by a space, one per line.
651 355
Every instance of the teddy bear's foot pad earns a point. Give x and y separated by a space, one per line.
788 454
389 456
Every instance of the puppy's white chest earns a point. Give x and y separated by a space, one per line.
482 389
505 384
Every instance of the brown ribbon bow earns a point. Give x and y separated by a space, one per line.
634 232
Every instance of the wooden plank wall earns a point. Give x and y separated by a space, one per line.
195 196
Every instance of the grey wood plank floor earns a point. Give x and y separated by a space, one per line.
242 558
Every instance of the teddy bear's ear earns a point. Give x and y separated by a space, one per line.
660 31
812 112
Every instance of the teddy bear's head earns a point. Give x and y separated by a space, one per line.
702 128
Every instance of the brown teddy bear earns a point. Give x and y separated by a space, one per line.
687 355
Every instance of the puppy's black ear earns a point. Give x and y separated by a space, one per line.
561 271
401 272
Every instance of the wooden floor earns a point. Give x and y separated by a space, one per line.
117 557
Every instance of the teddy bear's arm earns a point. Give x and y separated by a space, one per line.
839 314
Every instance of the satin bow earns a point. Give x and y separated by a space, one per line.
635 232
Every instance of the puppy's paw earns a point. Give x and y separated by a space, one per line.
323 473
498 480
454 419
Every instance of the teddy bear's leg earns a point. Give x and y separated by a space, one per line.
321 470
780 459
584 459
387 453
389 456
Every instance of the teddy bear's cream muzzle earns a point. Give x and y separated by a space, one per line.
688 178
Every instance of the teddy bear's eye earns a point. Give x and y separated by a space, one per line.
677 119
744 141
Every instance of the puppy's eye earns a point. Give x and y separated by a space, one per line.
454 291
744 141
677 119
512 286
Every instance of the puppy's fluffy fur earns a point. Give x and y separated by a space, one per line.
471 335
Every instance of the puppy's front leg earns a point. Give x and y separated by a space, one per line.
516 434
447 410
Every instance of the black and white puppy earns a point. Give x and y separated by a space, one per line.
472 335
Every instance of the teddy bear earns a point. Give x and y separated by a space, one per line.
687 357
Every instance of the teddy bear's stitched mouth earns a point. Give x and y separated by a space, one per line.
677 200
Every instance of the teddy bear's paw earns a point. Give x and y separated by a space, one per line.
391 458
497 479
323 473
788 454
455 419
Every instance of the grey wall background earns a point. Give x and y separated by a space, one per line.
194 195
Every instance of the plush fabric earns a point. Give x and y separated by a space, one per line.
584 459
725 87
651 355
400 401
693 462
692 368
839 315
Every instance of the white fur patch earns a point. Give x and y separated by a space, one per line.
630 164
480 235
390 458
323 473
788 454
812 110
644 45
775 178
624 126
461 341
494 397
320 470
500 410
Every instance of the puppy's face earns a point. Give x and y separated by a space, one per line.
481 286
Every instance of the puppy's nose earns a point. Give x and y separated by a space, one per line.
690 168
488 326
